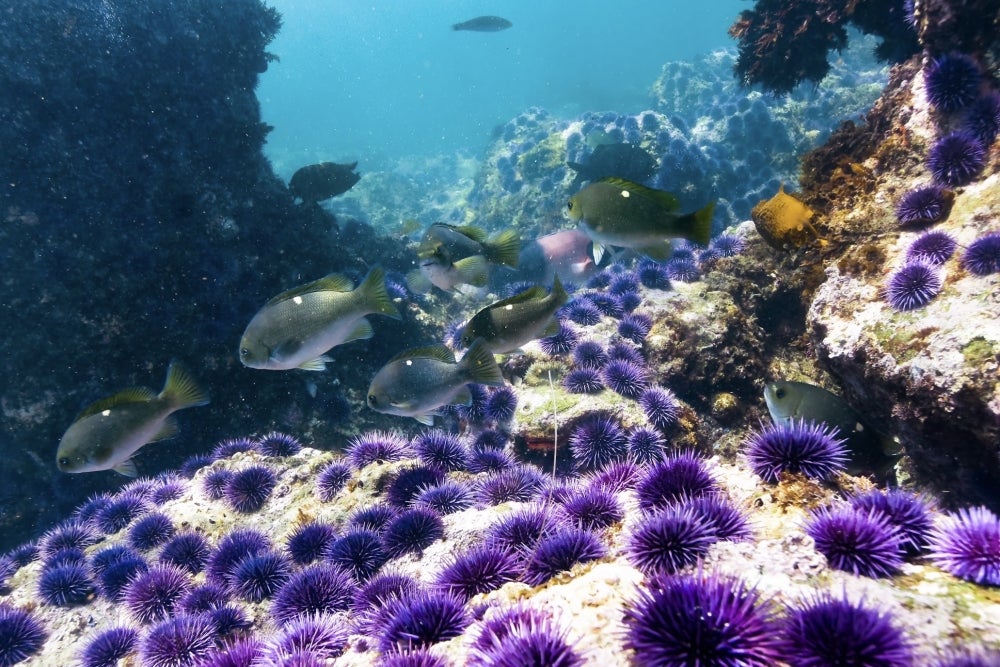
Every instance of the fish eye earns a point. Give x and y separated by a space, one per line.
569 205
244 352
372 400
63 461
780 393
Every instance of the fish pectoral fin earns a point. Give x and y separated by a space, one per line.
418 282
426 420
168 430
286 348
552 328
463 397
598 252
473 270
361 331
317 364
127 468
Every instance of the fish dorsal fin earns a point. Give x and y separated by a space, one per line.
475 233
334 282
125 396
661 197
530 294
438 352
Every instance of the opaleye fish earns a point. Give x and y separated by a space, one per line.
296 328
508 324
870 451
316 182
618 212
452 256
416 383
107 434
483 24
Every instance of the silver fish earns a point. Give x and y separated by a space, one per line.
107 434
416 383
296 328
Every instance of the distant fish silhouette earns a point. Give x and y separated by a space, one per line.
484 24
317 182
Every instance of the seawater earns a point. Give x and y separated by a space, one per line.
379 82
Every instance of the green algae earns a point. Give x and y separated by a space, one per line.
543 158
979 351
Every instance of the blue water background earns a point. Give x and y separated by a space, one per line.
381 81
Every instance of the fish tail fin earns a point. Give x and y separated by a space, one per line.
481 366
373 292
701 228
181 389
558 292
504 248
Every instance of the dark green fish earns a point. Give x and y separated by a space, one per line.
416 383
618 212
107 434
484 24
296 328
507 325
871 452
317 182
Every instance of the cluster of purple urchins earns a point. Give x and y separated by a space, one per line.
959 90
710 619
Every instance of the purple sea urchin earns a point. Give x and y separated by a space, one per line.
215 483
626 378
150 531
660 406
226 448
423 619
812 449
677 477
924 206
521 529
65 585
481 569
331 479
279 444
682 270
249 488
645 445
106 648
183 641
231 549
490 461
582 311
625 351
589 354
120 512
418 658
669 540
607 304
912 286
956 159
310 542
441 450
597 440
615 477
323 588
982 257
259 577
968 546
862 543
203 598
412 531
952 82
359 552
21 636
710 620
373 518
520 483
583 381
724 520
321 635
934 248
653 275
447 497
727 245
501 405
983 118
561 342
523 636
408 482
593 508
155 594
386 446
906 511
112 579
559 552
827 631
188 551
635 327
